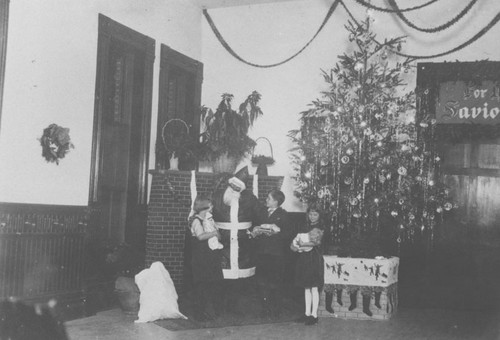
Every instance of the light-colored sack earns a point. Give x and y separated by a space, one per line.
158 298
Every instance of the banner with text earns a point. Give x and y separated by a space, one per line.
461 102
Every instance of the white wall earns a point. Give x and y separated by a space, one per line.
50 78
269 33
51 56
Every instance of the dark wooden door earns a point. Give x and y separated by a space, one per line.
471 169
121 132
179 98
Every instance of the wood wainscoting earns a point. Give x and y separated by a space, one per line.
42 255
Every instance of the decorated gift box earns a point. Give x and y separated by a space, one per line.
373 282
380 272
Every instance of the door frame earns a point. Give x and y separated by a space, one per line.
4 25
108 30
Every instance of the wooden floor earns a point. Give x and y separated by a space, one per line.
407 324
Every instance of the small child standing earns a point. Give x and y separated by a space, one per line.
206 219
309 268
206 258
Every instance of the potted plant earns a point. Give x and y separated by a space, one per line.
225 140
178 146
124 262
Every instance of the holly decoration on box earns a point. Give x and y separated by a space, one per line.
359 153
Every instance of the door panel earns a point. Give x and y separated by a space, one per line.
116 130
121 132
487 201
179 97
489 156
472 171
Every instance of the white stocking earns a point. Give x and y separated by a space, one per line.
315 301
308 298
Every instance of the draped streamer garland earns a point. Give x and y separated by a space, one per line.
478 35
435 29
358 154
395 9
234 54
389 10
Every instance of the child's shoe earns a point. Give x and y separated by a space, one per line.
311 321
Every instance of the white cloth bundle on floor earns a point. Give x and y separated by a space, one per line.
158 298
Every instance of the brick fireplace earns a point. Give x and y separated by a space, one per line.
168 209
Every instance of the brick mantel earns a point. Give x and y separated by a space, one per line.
169 207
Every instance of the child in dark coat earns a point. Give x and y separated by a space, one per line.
205 261
309 272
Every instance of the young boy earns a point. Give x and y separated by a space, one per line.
271 241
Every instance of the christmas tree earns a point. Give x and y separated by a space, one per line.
361 157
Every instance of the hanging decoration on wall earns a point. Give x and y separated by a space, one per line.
358 153
464 98
394 9
234 54
389 10
463 45
55 142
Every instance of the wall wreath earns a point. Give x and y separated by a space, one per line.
55 143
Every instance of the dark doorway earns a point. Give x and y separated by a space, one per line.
122 119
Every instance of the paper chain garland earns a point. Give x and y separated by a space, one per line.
234 54
450 51
435 29
367 4
399 13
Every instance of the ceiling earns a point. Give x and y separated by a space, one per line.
233 3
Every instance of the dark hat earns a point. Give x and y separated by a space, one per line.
239 178
242 174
